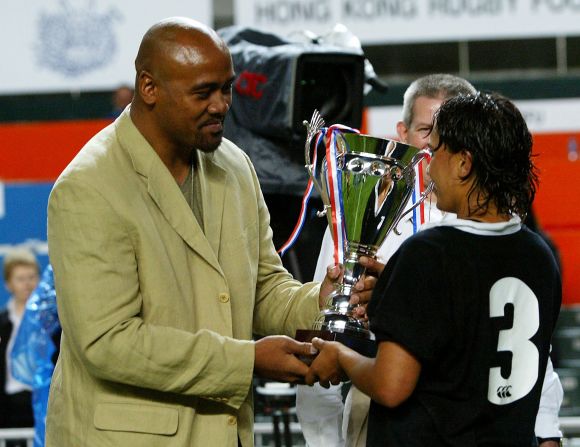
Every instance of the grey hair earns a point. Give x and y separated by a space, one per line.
434 86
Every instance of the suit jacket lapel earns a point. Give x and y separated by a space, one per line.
164 190
213 189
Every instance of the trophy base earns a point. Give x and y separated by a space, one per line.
363 346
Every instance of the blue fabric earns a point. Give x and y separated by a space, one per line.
33 349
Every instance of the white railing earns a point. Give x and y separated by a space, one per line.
16 434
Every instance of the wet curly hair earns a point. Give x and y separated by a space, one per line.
493 130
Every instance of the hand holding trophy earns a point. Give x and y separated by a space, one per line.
365 185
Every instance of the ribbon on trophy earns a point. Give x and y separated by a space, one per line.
418 190
333 183
307 193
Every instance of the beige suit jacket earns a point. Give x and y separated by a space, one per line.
157 316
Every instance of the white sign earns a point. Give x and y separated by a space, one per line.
542 116
71 45
399 21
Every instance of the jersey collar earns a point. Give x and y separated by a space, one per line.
481 228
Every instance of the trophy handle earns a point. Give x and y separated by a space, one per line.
419 156
312 128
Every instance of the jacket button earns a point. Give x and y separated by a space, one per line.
224 297
232 420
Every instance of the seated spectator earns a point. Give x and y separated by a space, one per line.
21 274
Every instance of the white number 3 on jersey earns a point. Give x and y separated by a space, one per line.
525 355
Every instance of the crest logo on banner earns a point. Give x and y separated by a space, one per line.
76 40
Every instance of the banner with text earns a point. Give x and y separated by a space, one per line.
543 116
65 45
401 21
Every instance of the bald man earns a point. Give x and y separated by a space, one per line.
164 266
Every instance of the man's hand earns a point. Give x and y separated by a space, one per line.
363 289
276 358
325 368
333 275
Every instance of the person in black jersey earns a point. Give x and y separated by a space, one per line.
463 313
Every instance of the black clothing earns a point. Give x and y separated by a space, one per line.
477 311
15 409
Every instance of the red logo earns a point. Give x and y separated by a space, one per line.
248 84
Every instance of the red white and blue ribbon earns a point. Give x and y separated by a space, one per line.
334 181
307 193
419 212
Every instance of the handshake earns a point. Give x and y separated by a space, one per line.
284 359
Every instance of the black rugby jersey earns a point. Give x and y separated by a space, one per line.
478 311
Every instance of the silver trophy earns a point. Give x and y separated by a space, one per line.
365 187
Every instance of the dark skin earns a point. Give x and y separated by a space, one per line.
183 91
361 297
